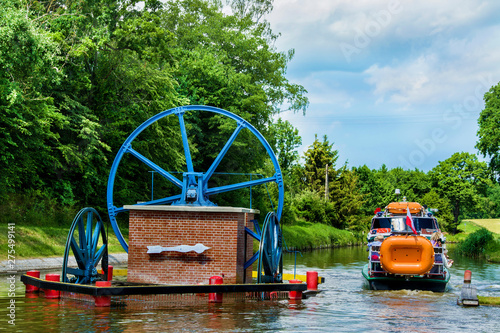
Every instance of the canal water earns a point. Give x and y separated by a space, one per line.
344 305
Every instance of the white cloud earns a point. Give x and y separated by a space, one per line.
405 82
446 71
323 25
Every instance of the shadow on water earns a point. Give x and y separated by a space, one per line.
345 305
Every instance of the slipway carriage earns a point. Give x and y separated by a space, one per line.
180 235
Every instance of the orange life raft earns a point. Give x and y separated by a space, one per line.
407 255
400 207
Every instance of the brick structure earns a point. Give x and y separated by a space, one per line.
222 229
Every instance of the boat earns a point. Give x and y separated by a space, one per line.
401 254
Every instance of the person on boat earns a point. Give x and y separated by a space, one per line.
377 241
374 256
437 241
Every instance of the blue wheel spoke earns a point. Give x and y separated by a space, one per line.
223 152
153 202
75 271
77 252
81 236
253 234
155 167
251 260
237 186
95 238
185 143
88 238
99 254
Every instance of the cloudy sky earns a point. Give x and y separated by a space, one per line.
399 83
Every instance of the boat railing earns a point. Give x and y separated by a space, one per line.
374 259
439 263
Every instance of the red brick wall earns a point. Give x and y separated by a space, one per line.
223 233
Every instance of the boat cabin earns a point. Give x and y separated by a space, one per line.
393 220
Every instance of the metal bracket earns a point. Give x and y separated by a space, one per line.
198 248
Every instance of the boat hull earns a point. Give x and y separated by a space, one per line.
394 282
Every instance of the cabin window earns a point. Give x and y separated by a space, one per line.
383 222
424 223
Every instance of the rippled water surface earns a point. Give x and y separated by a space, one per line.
345 305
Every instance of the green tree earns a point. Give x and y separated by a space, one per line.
442 208
251 8
319 158
29 120
286 140
369 186
460 179
117 73
489 131
347 200
493 201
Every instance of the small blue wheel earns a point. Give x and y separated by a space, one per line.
88 244
270 264
270 253
194 188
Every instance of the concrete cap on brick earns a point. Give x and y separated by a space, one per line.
203 209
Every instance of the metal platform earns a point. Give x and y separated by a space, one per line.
124 288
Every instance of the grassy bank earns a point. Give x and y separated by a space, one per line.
485 300
37 242
492 225
465 228
468 227
305 236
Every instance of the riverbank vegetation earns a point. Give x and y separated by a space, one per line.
489 300
77 78
308 236
478 239
43 241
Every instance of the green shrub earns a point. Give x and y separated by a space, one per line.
312 207
305 236
475 244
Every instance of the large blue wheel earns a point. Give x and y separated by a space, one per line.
194 188
88 243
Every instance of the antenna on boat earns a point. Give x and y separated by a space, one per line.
397 193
